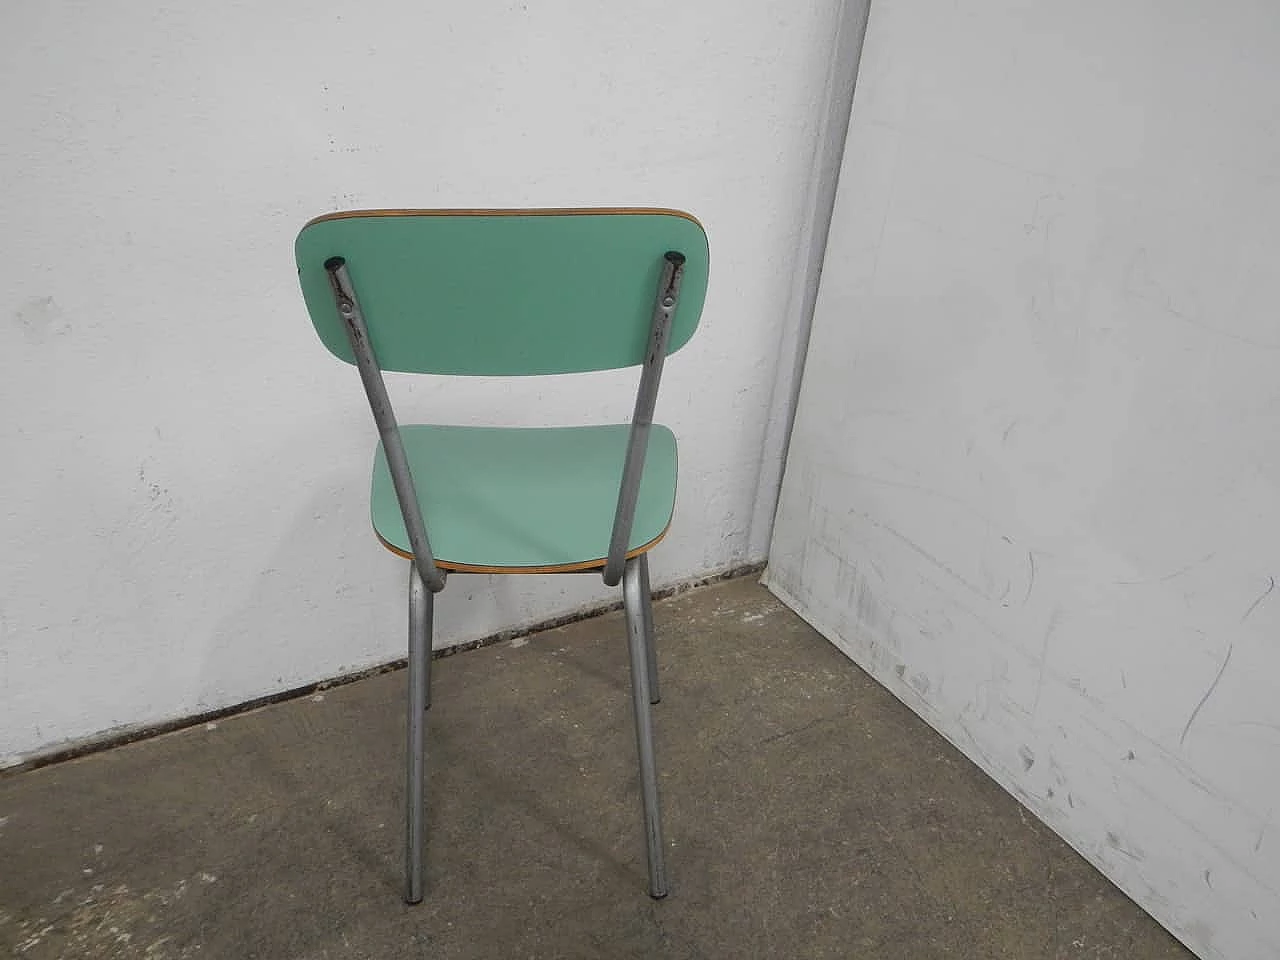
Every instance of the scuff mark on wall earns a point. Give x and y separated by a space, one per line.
1182 739
1165 578
1050 627
1027 756
1115 843
1265 593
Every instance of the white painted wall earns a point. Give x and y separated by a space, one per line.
1034 486
183 519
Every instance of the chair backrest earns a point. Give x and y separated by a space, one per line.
503 292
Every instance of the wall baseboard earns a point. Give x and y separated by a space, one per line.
125 735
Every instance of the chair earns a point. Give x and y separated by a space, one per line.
514 293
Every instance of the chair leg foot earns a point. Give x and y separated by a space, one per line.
634 598
421 609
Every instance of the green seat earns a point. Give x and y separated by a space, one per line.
509 500
514 293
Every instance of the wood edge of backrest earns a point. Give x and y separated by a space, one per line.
511 212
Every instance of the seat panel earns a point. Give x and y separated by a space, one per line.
524 498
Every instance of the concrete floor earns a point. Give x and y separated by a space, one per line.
808 814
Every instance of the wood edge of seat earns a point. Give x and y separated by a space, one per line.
516 212
583 567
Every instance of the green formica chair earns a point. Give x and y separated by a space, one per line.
514 293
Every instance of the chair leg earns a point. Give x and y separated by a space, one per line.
650 648
421 610
635 599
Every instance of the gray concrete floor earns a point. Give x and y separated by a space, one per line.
808 814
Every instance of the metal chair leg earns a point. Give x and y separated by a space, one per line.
650 648
421 610
634 599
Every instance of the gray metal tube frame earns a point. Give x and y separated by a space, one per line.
344 295
664 309
421 615
646 610
635 599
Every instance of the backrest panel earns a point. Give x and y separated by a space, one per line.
503 292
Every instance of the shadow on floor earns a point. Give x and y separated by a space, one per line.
808 814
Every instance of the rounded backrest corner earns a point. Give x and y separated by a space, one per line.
503 292
693 290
